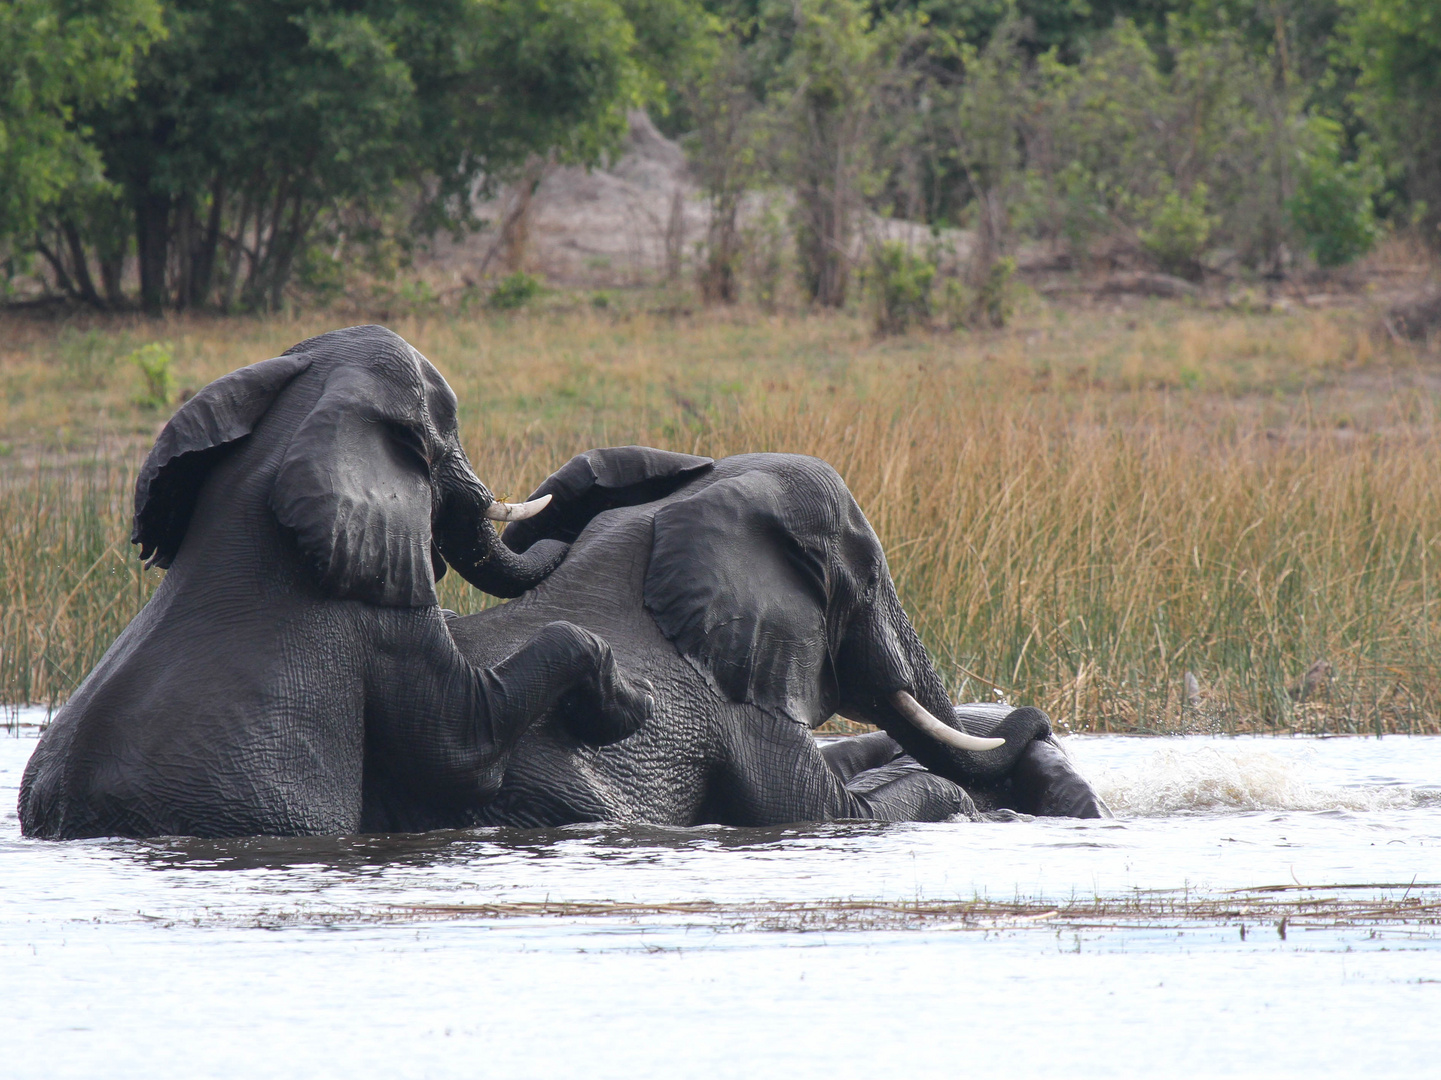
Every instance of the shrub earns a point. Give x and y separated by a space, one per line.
990 303
901 281
156 363
995 298
1178 230
515 291
1332 209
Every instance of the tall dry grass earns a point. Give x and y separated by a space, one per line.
69 579
1077 513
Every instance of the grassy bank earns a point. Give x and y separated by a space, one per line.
1078 511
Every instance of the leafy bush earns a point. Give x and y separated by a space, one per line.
989 304
1333 208
901 281
156 363
995 296
1178 230
768 243
1396 48
515 291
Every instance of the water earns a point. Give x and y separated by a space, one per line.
726 952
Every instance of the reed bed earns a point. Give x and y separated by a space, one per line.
1162 520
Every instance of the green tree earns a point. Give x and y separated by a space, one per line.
842 73
726 151
1396 47
60 57
268 135
988 118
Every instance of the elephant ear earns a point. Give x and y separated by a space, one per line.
743 597
356 497
599 480
192 442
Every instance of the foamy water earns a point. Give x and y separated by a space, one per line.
1162 777
314 957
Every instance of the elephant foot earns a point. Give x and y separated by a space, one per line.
609 706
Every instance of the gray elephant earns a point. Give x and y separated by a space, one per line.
754 596
294 670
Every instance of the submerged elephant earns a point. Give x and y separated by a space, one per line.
754 596
294 670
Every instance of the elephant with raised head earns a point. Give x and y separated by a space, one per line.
293 673
754 596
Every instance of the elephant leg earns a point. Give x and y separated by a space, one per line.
568 668
905 790
849 756
440 737
776 773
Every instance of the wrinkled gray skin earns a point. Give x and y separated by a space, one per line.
754 596
293 673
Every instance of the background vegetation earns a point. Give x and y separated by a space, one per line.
1079 510
208 154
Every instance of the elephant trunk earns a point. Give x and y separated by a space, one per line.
965 758
468 541
901 692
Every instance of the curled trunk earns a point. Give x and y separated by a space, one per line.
468 541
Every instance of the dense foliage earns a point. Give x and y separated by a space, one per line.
217 153
263 137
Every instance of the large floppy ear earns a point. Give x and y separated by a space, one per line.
191 443
357 495
599 480
737 591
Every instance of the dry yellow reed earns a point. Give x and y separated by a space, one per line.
1077 512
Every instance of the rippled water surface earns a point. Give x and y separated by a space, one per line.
845 949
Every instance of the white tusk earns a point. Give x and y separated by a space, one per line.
499 511
913 711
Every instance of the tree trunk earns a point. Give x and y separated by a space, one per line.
152 241
112 271
62 278
718 280
182 249
202 259
675 237
84 285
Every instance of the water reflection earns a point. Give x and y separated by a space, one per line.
627 844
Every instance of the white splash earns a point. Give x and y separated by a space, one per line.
1176 778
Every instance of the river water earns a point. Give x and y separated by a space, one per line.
1259 907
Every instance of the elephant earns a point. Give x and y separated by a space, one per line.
294 670
753 596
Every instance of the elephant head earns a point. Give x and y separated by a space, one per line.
364 466
767 575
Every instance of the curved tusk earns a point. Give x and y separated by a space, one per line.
499 511
913 711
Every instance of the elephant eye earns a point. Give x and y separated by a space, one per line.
411 439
